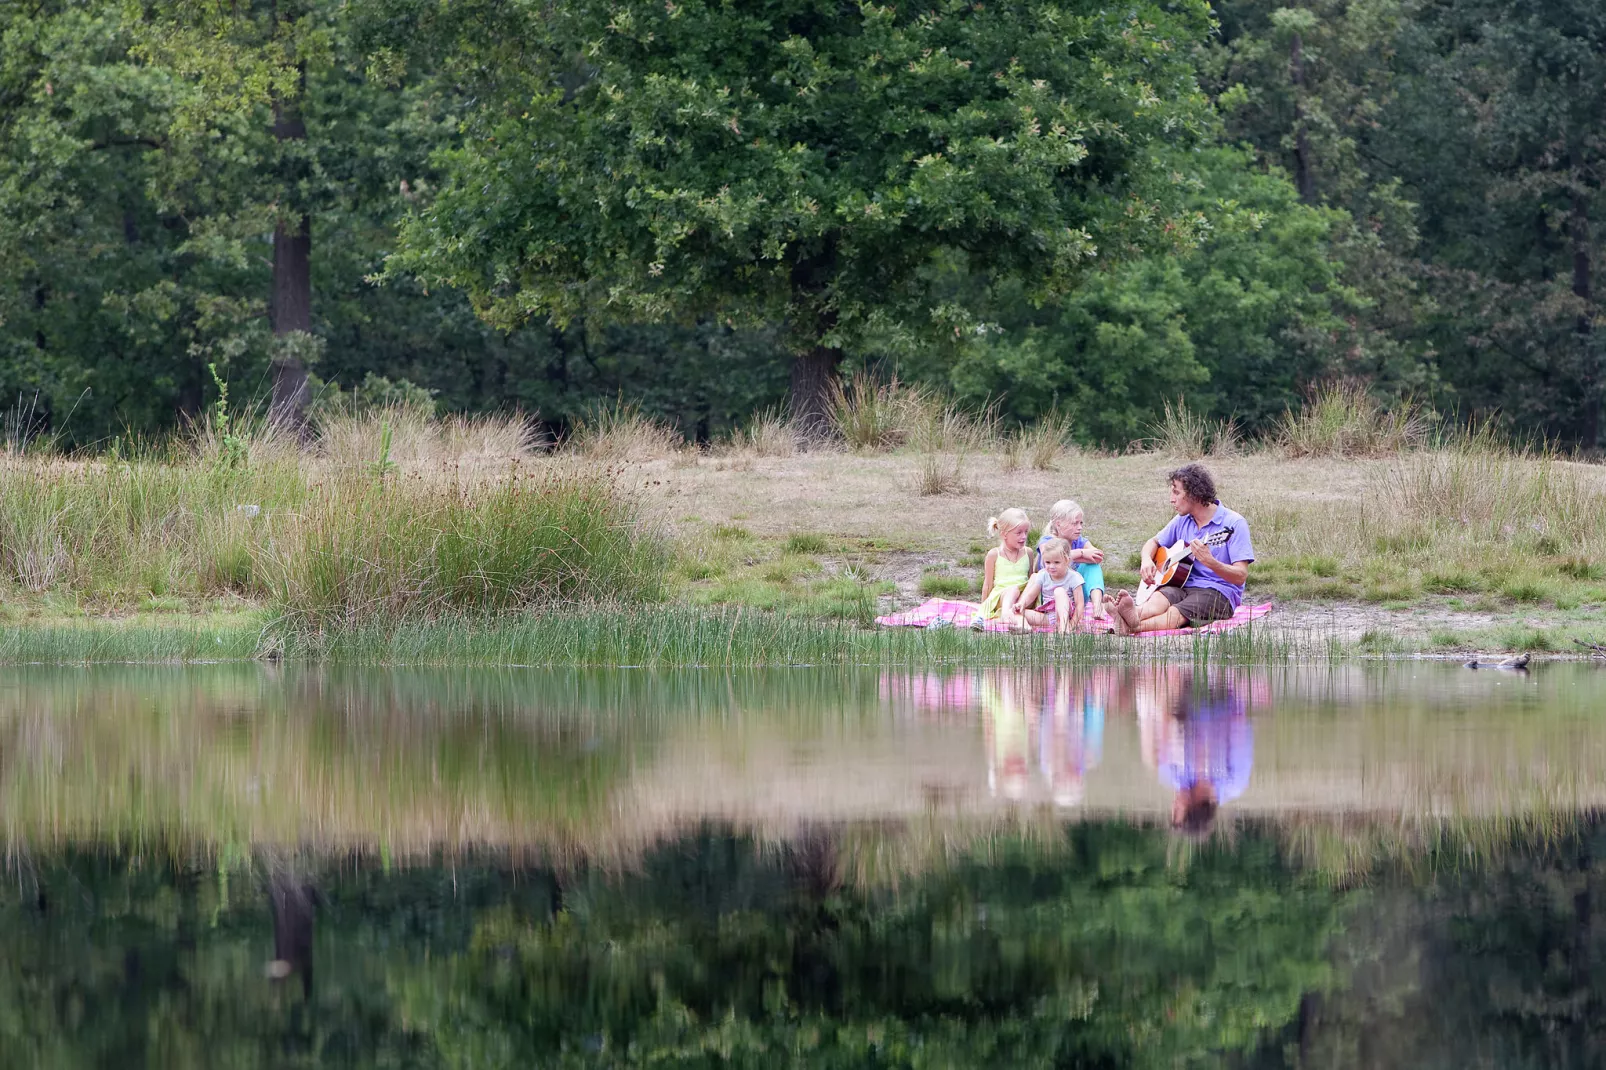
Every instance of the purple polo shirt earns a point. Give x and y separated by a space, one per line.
1238 548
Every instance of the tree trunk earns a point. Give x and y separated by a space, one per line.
1583 289
295 910
1303 180
290 309
814 365
813 375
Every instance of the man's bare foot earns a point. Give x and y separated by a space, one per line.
1126 614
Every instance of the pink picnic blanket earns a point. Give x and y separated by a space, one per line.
946 612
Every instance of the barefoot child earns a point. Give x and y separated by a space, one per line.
1054 595
1065 522
1007 568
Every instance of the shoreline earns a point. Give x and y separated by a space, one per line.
678 636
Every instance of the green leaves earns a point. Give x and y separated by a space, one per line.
803 161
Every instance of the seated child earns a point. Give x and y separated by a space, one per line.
1054 595
1065 522
1007 568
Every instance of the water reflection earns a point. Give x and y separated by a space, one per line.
236 868
607 764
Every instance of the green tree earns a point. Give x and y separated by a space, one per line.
802 162
1239 326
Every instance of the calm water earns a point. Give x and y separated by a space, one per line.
241 866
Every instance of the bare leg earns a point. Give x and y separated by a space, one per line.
1157 614
1007 613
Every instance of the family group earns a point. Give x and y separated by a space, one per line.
1193 570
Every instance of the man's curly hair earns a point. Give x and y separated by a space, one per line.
1196 483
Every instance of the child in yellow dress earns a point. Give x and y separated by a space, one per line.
1007 568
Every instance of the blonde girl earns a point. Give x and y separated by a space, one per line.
1065 521
1007 568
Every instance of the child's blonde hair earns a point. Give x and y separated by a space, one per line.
1063 509
1054 545
1008 520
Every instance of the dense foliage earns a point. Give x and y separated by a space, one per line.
697 205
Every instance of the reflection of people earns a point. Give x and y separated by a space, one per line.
1215 586
1201 746
1070 738
1008 738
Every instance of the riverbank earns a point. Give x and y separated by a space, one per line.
463 542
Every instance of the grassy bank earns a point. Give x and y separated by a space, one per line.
399 539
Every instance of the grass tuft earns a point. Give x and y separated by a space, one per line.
1345 420
622 432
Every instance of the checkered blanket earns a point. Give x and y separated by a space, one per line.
948 613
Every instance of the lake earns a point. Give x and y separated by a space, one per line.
1388 864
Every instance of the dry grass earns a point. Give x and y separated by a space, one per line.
622 432
419 443
872 414
770 433
1345 420
387 519
1040 444
1181 432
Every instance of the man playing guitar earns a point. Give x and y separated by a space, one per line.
1215 585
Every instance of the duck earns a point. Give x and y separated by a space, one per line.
1515 663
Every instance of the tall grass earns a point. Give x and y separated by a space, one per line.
946 434
1039 444
1474 488
1181 432
1345 420
457 521
770 433
360 550
622 432
874 414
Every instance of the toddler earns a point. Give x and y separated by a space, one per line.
1054 595
1065 522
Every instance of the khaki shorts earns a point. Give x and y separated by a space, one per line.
1198 605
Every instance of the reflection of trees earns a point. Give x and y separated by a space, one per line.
1098 950
1498 964
716 950
1106 957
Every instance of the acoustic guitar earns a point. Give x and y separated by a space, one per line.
1174 563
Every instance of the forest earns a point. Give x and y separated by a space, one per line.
495 205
